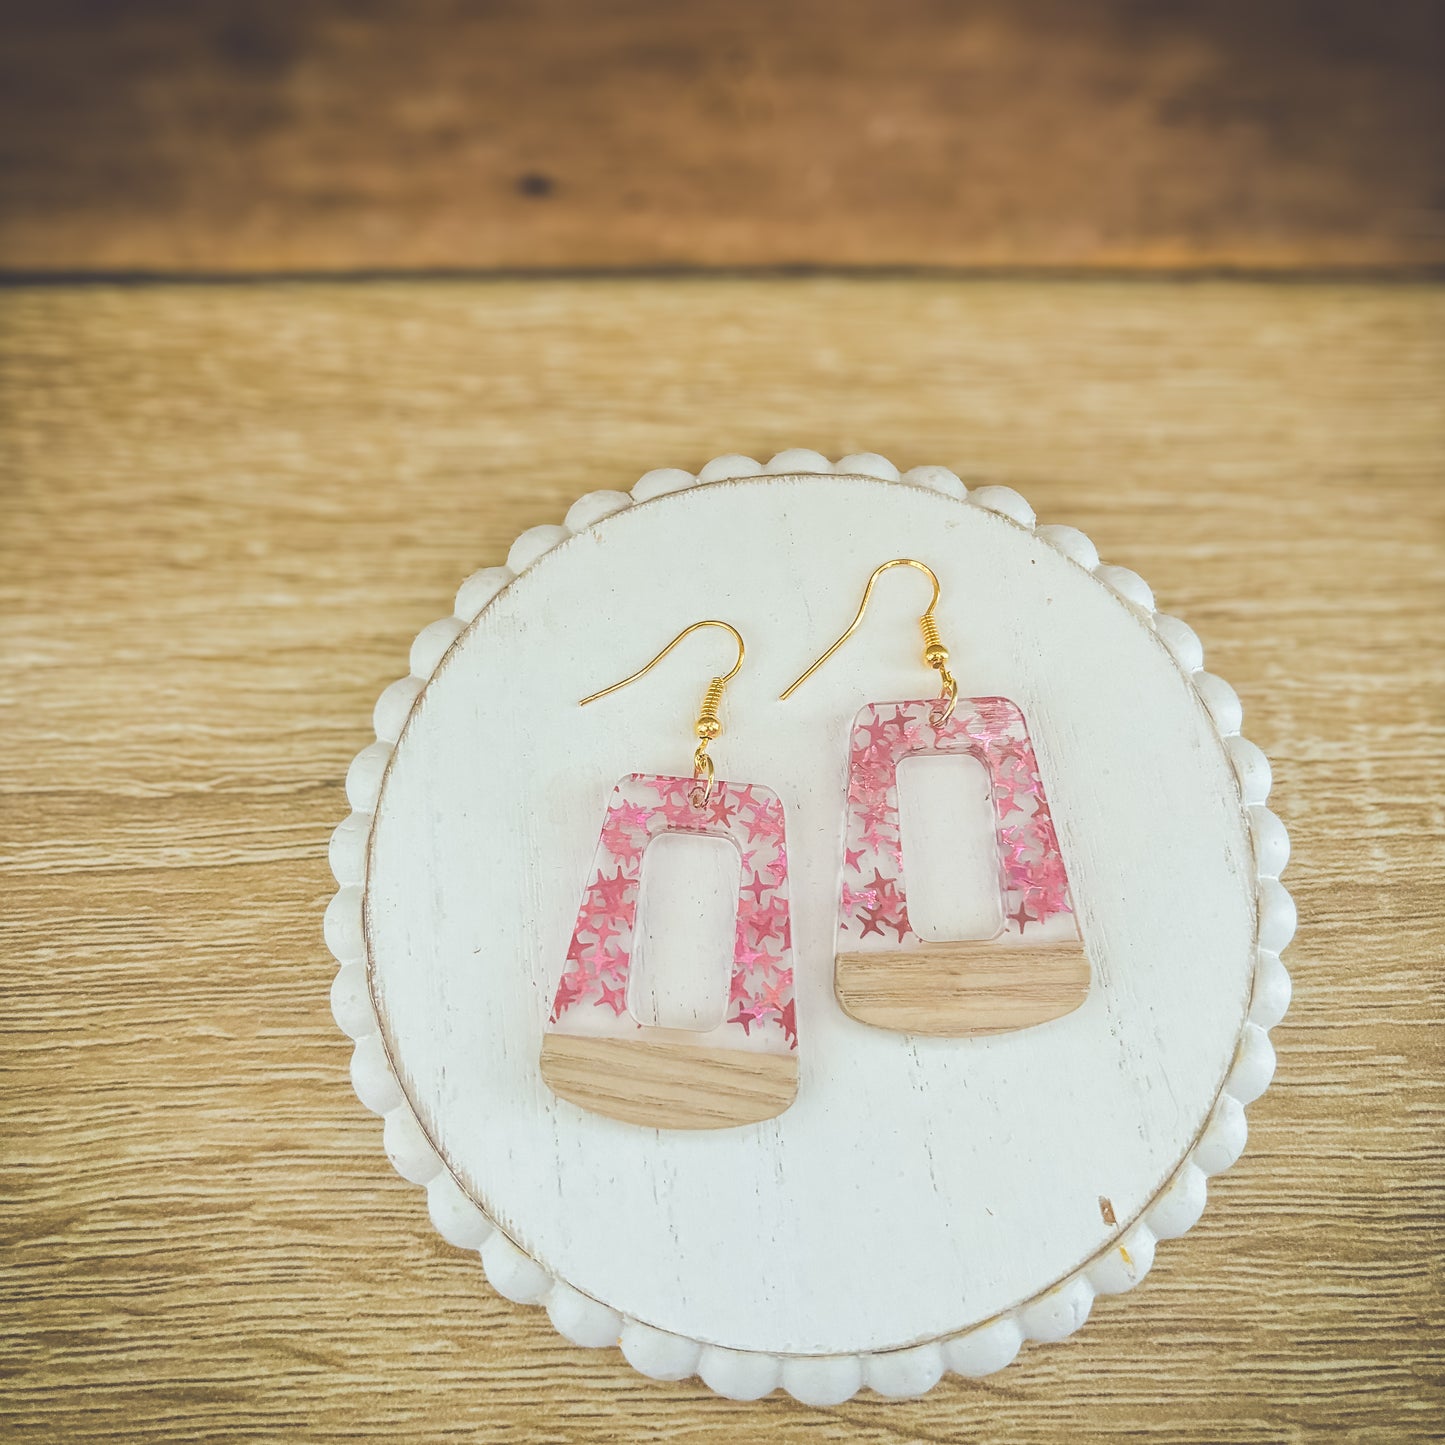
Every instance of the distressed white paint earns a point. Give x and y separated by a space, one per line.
682 957
963 1177
949 832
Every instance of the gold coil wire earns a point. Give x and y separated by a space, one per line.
935 654
709 723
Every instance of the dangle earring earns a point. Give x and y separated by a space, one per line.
1033 968
595 1052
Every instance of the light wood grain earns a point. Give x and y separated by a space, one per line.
962 989
321 135
667 1082
226 514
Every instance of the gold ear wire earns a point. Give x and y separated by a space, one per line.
709 723
935 654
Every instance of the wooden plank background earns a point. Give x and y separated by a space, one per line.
255 135
226 512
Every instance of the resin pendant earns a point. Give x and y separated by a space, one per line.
1034 967
597 1054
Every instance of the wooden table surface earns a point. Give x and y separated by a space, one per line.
226 512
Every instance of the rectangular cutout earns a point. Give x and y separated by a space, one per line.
686 922
950 847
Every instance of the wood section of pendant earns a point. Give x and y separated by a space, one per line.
663 1079
962 989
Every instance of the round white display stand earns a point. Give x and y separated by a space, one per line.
925 1203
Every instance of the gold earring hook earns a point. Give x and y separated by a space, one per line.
935 654
709 723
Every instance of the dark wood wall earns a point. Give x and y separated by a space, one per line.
329 136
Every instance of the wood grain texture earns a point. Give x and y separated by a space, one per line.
664 1080
317 135
227 512
962 989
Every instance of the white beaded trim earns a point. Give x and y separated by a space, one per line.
820 1379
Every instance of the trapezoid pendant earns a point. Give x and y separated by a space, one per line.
597 1054
1034 968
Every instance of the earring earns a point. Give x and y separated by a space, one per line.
1034 967
595 1052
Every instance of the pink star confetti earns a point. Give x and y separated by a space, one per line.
1032 879
614 996
599 953
757 888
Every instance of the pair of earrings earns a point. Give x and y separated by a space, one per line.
597 1054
